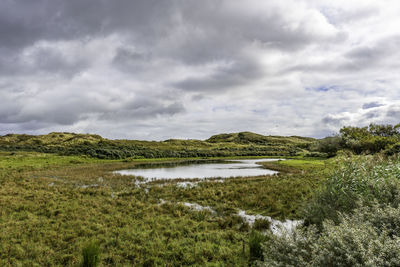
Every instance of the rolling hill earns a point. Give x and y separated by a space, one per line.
232 144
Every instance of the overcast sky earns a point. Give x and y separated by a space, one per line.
159 69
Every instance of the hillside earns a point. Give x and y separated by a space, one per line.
234 144
50 139
253 138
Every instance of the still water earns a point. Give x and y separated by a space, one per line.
221 169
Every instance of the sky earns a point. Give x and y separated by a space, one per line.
160 69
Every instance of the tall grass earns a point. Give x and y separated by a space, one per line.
356 181
91 254
255 240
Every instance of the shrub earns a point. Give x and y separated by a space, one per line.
395 149
328 145
368 237
289 250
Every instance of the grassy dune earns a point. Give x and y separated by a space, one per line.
226 145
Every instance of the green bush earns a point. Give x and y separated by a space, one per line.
393 150
328 145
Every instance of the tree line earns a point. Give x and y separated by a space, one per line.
370 139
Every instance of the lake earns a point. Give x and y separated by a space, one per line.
219 169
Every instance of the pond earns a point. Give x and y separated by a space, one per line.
201 170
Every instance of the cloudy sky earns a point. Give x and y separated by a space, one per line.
158 69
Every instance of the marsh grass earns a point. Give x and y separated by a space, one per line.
90 254
46 213
255 246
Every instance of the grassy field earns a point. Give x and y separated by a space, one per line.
53 205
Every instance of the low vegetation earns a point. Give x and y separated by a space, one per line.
54 206
62 204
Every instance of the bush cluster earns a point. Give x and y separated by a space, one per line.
371 139
361 140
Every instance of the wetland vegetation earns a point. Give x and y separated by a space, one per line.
68 207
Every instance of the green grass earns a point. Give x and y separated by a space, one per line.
299 165
33 160
308 163
47 217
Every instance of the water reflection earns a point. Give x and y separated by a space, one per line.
199 169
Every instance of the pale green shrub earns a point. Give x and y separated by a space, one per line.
369 237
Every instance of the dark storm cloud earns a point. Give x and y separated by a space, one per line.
41 39
191 31
23 22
